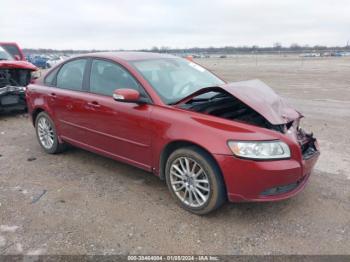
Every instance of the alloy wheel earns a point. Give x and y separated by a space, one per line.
189 182
46 133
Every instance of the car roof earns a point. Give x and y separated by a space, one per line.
130 56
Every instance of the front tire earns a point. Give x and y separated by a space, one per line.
195 180
47 135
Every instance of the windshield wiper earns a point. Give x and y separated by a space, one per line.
200 99
208 99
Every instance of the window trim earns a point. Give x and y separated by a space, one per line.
146 96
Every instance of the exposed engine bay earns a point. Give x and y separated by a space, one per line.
13 83
227 106
255 103
14 77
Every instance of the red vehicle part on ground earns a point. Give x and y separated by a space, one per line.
210 140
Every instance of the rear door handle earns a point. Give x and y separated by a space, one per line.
52 96
94 104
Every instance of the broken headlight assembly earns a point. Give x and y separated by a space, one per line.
11 89
260 150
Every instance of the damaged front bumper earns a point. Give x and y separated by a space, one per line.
12 98
261 181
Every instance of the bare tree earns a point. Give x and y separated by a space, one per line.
277 46
295 47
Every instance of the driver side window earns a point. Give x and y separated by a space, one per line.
107 77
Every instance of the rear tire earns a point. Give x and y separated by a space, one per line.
195 180
47 135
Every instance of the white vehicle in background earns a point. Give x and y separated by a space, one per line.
310 55
54 60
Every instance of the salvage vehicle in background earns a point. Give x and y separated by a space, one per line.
15 75
210 140
13 49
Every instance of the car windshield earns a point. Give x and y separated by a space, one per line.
175 78
4 55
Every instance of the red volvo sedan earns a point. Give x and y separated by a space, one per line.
208 139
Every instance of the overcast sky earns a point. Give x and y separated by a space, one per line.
119 24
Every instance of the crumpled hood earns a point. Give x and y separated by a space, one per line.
263 100
9 64
258 96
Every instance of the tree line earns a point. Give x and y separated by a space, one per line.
276 48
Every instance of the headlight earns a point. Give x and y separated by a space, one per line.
260 149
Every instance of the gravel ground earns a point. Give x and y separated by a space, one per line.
81 203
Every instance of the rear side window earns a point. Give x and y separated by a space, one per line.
50 78
107 77
71 75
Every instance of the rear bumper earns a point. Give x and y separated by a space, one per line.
259 181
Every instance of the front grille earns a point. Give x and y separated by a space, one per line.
309 152
308 149
307 144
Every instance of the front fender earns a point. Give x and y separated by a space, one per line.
208 132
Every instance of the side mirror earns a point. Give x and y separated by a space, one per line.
17 57
126 95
